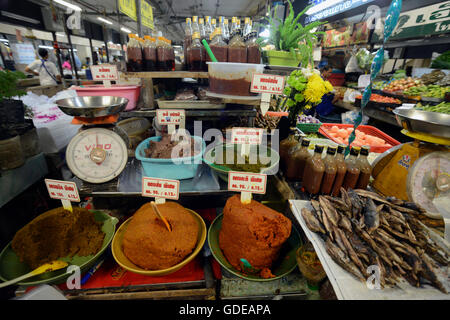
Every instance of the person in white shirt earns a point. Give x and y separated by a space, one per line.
46 70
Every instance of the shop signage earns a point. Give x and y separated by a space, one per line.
104 72
247 135
62 190
23 53
160 188
147 15
266 83
333 9
170 116
247 182
128 7
430 20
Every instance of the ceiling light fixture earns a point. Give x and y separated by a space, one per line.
68 5
125 30
104 20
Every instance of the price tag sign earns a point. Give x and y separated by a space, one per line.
66 191
267 83
247 135
105 73
160 188
171 118
247 183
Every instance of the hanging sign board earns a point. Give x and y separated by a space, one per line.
147 15
128 7
23 53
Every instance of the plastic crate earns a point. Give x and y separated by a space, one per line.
325 127
309 127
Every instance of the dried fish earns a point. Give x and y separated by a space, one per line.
345 198
371 217
317 211
345 223
428 273
350 251
338 203
311 221
357 203
339 241
386 237
328 225
329 211
342 259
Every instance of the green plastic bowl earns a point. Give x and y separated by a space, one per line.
284 265
11 267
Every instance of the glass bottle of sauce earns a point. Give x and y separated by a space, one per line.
253 50
330 171
365 169
161 53
314 171
149 54
352 174
187 41
247 28
218 47
195 53
285 146
298 157
201 24
208 28
290 170
214 24
225 30
341 171
237 50
170 56
134 54
195 26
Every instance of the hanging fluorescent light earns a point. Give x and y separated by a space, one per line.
46 47
104 20
68 5
4 40
125 30
19 17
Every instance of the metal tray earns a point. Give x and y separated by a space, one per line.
92 106
433 123
195 104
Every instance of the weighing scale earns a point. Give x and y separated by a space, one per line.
417 171
98 153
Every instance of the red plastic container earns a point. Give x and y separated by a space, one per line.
337 79
325 128
125 91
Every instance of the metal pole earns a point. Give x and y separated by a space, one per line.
74 67
58 58
138 15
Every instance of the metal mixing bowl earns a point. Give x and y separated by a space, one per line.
433 123
92 106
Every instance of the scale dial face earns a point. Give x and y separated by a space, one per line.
428 179
96 155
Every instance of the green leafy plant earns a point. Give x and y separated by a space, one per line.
290 35
8 84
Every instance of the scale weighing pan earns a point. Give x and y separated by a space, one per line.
433 123
92 106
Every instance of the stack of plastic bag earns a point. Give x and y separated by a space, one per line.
53 127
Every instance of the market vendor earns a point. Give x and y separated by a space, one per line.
326 106
46 70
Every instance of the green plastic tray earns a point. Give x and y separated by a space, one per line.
11 267
284 265
309 127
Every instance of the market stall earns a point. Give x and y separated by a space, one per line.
241 171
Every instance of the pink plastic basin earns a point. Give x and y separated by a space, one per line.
129 92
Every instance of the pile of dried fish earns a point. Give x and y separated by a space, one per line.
362 228
266 121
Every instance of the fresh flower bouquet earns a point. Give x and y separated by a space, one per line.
305 89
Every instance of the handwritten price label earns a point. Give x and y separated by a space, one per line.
63 190
267 83
160 188
247 182
170 116
104 72
246 135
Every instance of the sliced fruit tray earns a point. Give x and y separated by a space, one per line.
377 140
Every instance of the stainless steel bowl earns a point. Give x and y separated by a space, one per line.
92 106
433 123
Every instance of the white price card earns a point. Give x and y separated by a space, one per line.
247 182
170 116
104 72
160 188
267 83
247 135
62 190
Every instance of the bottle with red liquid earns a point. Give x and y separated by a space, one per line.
187 41
341 170
203 36
195 53
296 161
134 54
170 56
149 54
314 171
161 51
365 169
237 50
218 47
253 50
352 174
330 171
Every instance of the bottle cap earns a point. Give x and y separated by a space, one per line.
233 20
331 150
201 21
207 19
318 148
188 20
225 21
213 21
365 150
194 18
247 20
131 35
305 142
161 38
147 37
355 151
340 148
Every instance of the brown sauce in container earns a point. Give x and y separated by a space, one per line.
314 171
340 172
237 54
150 59
365 169
352 175
296 160
285 146
330 171
220 52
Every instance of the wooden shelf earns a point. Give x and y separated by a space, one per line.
166 74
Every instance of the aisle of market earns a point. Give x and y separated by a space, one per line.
217 150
